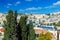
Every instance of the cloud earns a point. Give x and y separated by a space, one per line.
29 0
34 12
49 7
34 8
57 3
53 5
18 2
21 10
30 9
9 4
7 7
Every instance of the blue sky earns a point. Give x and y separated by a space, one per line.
30 6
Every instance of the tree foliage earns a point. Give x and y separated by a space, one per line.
31 32
26 31
10 27
20 30
46 36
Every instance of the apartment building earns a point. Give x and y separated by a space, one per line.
40 30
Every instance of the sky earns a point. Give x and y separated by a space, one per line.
30 6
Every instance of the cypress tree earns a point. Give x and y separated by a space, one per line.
18 31
26 30
15 17
31 32
10 27
22 25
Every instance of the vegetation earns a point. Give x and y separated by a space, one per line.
0 34
31 33
26 29
10 27
46 36
22 25
20 30
56 24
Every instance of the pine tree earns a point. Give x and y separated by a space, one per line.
10 27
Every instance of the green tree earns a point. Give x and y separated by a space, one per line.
46 36
26 31
22 27
15 17
41 36
18 31
31 32
10 27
